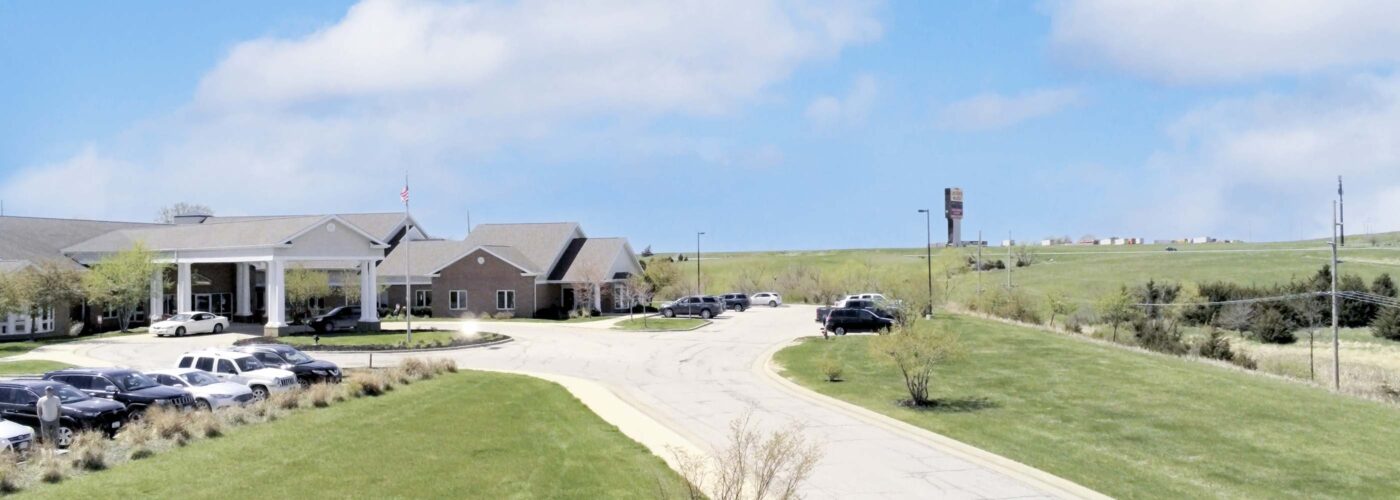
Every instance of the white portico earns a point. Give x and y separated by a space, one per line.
252 247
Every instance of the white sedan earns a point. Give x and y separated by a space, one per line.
209 392
188 323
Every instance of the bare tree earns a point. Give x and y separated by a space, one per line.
752 466
639 290
1311 310
168 214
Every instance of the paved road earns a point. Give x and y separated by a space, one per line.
695 383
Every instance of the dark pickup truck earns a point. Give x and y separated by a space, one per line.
881 310
848 319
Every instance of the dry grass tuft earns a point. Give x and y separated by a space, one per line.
89 450
286 400
9 473
444 365
321 395
417 369
170 424
51 469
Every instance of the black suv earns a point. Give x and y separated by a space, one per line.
342 317
308 370
19 401
129 387
696 305
848 319
736 301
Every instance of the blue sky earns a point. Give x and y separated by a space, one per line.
768 125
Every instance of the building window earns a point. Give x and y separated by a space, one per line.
621 299
457 300
422 298
505 300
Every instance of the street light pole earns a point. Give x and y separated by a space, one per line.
928 257
699 290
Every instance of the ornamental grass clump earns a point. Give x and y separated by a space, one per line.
51 469
89 450
321 395
286 400
206 424
169 424
9 473
138 436
417 368
444 365
365 383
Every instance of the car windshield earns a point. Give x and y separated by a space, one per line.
67 394
179 317
132 381
249 364
199 379
296 357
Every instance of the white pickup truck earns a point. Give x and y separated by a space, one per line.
243 368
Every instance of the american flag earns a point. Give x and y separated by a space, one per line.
403 195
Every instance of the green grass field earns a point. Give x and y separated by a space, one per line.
659 324
468 435
30 367
1129 424
370 338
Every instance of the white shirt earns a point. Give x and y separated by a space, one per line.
48 408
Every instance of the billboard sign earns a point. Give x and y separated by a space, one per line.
953 203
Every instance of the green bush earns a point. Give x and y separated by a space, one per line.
1387 324
1215 347
1271 327
1158 335
831 369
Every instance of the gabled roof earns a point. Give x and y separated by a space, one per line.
428 257
10 266
540 243
37 239
241 234
381 225
589 259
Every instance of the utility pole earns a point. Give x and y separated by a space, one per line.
928 258
1340 217
980 244
1336 344
699 290
1009 263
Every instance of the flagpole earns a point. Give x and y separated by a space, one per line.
407 264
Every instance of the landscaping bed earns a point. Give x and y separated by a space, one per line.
660 324
1126 423
379 341
459 435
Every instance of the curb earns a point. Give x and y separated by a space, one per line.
1046 482
410 351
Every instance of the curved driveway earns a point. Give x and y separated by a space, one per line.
695 383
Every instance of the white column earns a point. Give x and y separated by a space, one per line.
184 293
243 289
369 293
157 308
276 295
597 298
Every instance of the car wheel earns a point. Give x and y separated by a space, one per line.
200 404
668 313
840 330
218 328
259 393
65 436
741 308
180 332
772 303
304 382
705 313
319 327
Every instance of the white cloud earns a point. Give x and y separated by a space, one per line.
829 111
329 120
990 111
1193 41
1273 159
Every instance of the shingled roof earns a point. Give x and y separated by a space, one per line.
429 256
38 239
379 225
588 259
540 243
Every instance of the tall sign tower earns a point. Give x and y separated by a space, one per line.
953 211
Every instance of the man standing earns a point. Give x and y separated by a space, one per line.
49 410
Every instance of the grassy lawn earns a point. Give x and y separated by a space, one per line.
30 367
659 324
370 338
1128 424
469 435
15 348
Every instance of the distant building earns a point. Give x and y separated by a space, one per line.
1008 243
1046 243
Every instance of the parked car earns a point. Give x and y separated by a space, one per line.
695 305
19 400
188 323
307 369
242 368
1171 249
771 299
129 387
886 310
866 296
736 301
844 320
209 392
17 438
340 318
